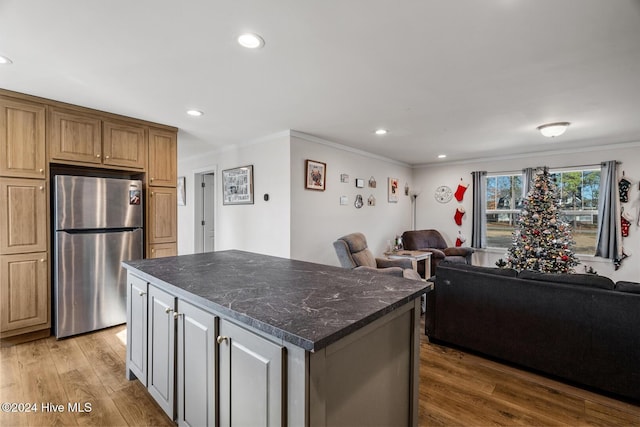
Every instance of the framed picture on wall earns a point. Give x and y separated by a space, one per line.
181 191
316 175
237 186
393 190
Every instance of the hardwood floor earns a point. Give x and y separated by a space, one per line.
456 388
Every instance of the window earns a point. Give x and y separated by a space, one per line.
504 201
578 199
578 202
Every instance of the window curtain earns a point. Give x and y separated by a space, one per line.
609 237
527 178
479 223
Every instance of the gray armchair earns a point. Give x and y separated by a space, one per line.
432 241
353 253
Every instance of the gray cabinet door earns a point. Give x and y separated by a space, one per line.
137 328
252 389
196 376
161 359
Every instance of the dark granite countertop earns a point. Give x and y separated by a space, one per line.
309 305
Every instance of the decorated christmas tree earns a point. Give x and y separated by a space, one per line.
541 240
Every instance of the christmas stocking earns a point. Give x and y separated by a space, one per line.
460 240
459 214
462 187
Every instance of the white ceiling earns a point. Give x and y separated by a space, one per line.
468 78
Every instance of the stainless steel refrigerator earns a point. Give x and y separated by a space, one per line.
98 224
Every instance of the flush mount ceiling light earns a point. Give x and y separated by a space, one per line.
251 41
551 130
381 132
5 61
442 156
195 113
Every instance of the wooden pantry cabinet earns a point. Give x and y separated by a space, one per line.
88 139
24 219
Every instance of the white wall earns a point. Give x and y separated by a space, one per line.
432 214
262 227
318 219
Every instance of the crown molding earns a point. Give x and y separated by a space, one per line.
591 148
337 146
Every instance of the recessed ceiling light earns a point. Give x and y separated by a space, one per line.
5 61
251 41
381 132
442 156
551 130
195 113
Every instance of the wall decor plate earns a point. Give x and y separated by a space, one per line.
443 194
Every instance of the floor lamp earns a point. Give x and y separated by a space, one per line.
414 196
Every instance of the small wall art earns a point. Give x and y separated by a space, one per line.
372 182
393 190
344 178
180 190
237 186
371 201
359 183
316 175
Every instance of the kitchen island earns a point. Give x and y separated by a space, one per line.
237 338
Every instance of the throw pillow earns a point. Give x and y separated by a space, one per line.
589 280
630 287
489 270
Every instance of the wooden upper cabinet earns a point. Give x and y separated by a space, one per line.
163 154
124 145
75 137
23 215
22 139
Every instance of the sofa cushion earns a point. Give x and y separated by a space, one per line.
589 280
489 270
630 287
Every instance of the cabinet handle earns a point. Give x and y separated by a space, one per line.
98 155
106 157
151 195
142 293
152 179
176 315
221 339
41 188
41 259
153 251
168 310
41 170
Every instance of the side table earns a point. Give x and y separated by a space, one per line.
414 256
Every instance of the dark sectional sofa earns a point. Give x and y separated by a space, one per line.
580 327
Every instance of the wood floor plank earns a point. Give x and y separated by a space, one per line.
107 365
456 389
67 355
138 408
519 397
11 388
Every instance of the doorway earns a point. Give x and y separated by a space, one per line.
205 212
